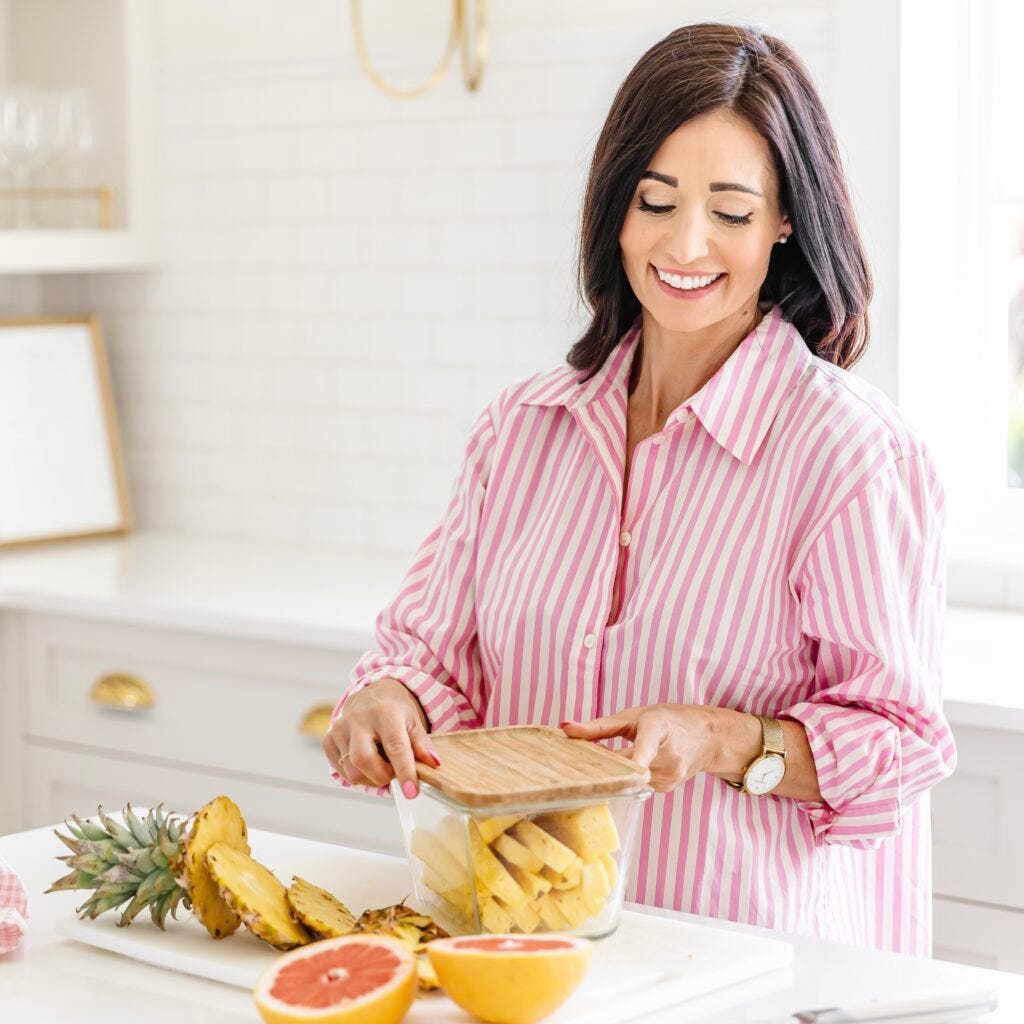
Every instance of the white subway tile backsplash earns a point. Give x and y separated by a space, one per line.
350 278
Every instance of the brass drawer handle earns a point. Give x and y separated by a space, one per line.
123 692
317 721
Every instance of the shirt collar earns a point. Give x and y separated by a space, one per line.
736 406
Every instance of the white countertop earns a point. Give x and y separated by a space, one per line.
331 600
52 978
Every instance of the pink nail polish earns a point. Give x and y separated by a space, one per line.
562 725
409 788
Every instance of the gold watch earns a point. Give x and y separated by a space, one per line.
765 772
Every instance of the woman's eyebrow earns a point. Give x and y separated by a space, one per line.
715 186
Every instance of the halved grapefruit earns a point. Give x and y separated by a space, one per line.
356 979
510 979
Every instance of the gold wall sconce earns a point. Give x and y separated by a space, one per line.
458 37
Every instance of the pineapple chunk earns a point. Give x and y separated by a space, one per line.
594 882
453 836
525 918
493 916
588 831
458 898
514 852
492 873
610 867
553 918
491 828
570 902
543 845
435 855
531 884
567 879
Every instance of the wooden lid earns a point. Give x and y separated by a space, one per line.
526 764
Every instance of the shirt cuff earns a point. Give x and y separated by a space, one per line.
858 759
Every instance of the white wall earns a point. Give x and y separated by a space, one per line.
275 380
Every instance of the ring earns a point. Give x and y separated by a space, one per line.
343 756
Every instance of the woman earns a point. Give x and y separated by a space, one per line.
704 537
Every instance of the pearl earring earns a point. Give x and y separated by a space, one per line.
783 238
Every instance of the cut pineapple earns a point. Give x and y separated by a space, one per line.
531 884
316 909
553 918
594 881
433 852
610 867
554 854
570 902
525 918
219 821
491 828
514 852
567 879
587 831
494 917
256 896
494 875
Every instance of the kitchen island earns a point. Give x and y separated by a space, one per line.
52 978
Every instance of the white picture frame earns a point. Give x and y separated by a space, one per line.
61 468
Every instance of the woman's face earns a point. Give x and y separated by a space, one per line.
699 227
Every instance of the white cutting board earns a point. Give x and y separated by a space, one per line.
649 963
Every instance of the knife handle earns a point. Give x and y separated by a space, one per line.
927 1010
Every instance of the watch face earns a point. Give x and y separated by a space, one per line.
765 774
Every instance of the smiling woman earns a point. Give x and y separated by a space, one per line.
704 538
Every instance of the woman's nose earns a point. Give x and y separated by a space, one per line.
688 240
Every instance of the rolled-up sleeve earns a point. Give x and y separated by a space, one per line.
871 588
426 635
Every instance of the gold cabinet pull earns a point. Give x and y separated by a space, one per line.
123 692
317 721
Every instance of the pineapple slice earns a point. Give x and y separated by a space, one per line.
492 873
570 902
531 884
436 856
554 854
610 867
525 918
553 918
219 821
493 916
567 879
316 909
514 852
256 896
587 831
491 828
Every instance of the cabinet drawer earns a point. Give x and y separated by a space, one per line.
977 827
62 782
222 703
981 936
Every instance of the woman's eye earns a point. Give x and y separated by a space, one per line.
729 218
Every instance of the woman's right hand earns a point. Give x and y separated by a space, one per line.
383 716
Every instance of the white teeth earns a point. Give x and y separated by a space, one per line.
687 283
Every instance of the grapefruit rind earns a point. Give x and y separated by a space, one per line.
510 978
388 1003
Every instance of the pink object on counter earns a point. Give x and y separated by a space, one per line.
13 909
779 549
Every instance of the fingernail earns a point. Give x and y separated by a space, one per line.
435 755
409 788
562 725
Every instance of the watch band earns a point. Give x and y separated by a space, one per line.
772 742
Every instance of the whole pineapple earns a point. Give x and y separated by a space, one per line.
158 863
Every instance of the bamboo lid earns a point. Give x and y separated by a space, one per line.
526 764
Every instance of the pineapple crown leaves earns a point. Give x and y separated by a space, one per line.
129 863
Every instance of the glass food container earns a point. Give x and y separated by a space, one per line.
522 829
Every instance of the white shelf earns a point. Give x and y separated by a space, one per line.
108 47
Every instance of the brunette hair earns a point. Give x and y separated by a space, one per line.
821 277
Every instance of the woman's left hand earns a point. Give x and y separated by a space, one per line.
673 740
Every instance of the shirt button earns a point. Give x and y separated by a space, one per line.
624 538
589 640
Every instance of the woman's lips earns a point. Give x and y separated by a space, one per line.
693 293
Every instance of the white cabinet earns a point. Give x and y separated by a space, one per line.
106 46
978 852
226 717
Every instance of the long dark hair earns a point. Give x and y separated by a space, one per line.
821 277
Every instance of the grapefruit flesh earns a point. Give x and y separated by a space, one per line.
357 979
510 979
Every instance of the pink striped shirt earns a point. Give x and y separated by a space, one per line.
779 550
